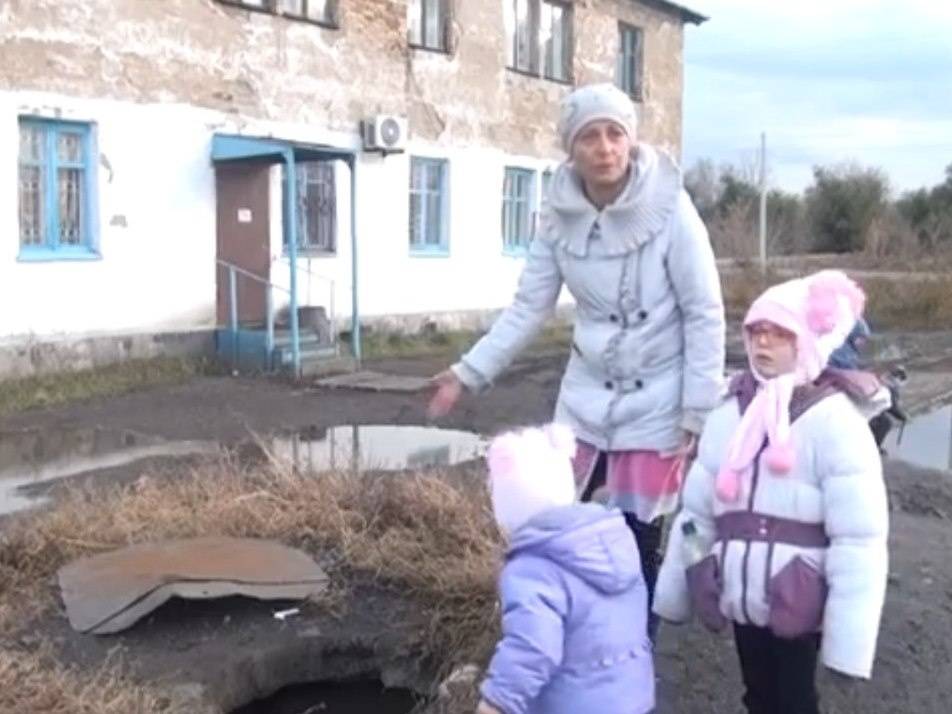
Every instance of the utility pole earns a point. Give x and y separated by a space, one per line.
763 203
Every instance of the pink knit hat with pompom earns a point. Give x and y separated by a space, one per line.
820 310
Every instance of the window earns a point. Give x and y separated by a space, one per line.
428 22
428 189
55 183
518 209
546 182
628 75
320 11
316 208
541 41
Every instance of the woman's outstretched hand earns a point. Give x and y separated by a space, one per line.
447 390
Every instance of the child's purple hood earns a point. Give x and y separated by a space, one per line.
588 540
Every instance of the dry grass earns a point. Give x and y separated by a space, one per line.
910 302
70 386
741 286
33 683
431 535
450 343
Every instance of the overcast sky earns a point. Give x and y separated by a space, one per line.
828 80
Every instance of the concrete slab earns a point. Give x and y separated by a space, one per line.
109 592
369 381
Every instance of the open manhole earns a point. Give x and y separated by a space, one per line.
378 448
357 697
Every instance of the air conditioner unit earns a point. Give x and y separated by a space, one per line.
385 133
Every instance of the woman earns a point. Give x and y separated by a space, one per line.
647 355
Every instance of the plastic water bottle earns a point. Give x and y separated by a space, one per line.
693 550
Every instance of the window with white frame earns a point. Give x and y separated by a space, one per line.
316 207
629 73
55 189
428 205
320 11
518 209
541 38
428 24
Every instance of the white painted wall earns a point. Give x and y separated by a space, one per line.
156 219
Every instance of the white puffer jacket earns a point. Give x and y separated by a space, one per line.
648 346
837 486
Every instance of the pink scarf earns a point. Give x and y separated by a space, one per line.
767 418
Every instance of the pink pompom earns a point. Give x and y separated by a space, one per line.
780 458
502 454
826 287
562 439
727 485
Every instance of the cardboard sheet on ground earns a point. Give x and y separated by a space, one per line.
109 592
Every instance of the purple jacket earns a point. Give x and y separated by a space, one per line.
574 610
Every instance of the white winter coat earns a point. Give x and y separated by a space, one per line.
837 483
648 346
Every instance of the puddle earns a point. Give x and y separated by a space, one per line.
378 447
34 457
334 698
926 440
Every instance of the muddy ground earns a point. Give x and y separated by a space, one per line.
698 672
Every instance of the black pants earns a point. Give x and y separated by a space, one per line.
779 674
647 539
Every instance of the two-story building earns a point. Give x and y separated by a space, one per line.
163 163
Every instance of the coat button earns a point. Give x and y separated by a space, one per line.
609 385
639 384
613 317
642 315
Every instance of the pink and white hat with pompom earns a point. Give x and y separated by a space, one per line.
530 471
821 310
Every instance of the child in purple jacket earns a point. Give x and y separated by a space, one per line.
574 602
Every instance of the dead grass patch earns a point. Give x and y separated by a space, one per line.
429 534
915 303
71 386
907 302
743 284
32 682
450 343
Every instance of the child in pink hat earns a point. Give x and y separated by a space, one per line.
574 601
784 519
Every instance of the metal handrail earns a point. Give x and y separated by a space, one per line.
234 270
249 274
310 272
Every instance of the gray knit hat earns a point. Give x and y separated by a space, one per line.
592 103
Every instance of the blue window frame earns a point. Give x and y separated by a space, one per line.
316 209
518 209
56 183
428 206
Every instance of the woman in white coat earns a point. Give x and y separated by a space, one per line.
647 358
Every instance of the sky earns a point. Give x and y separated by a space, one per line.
829 81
